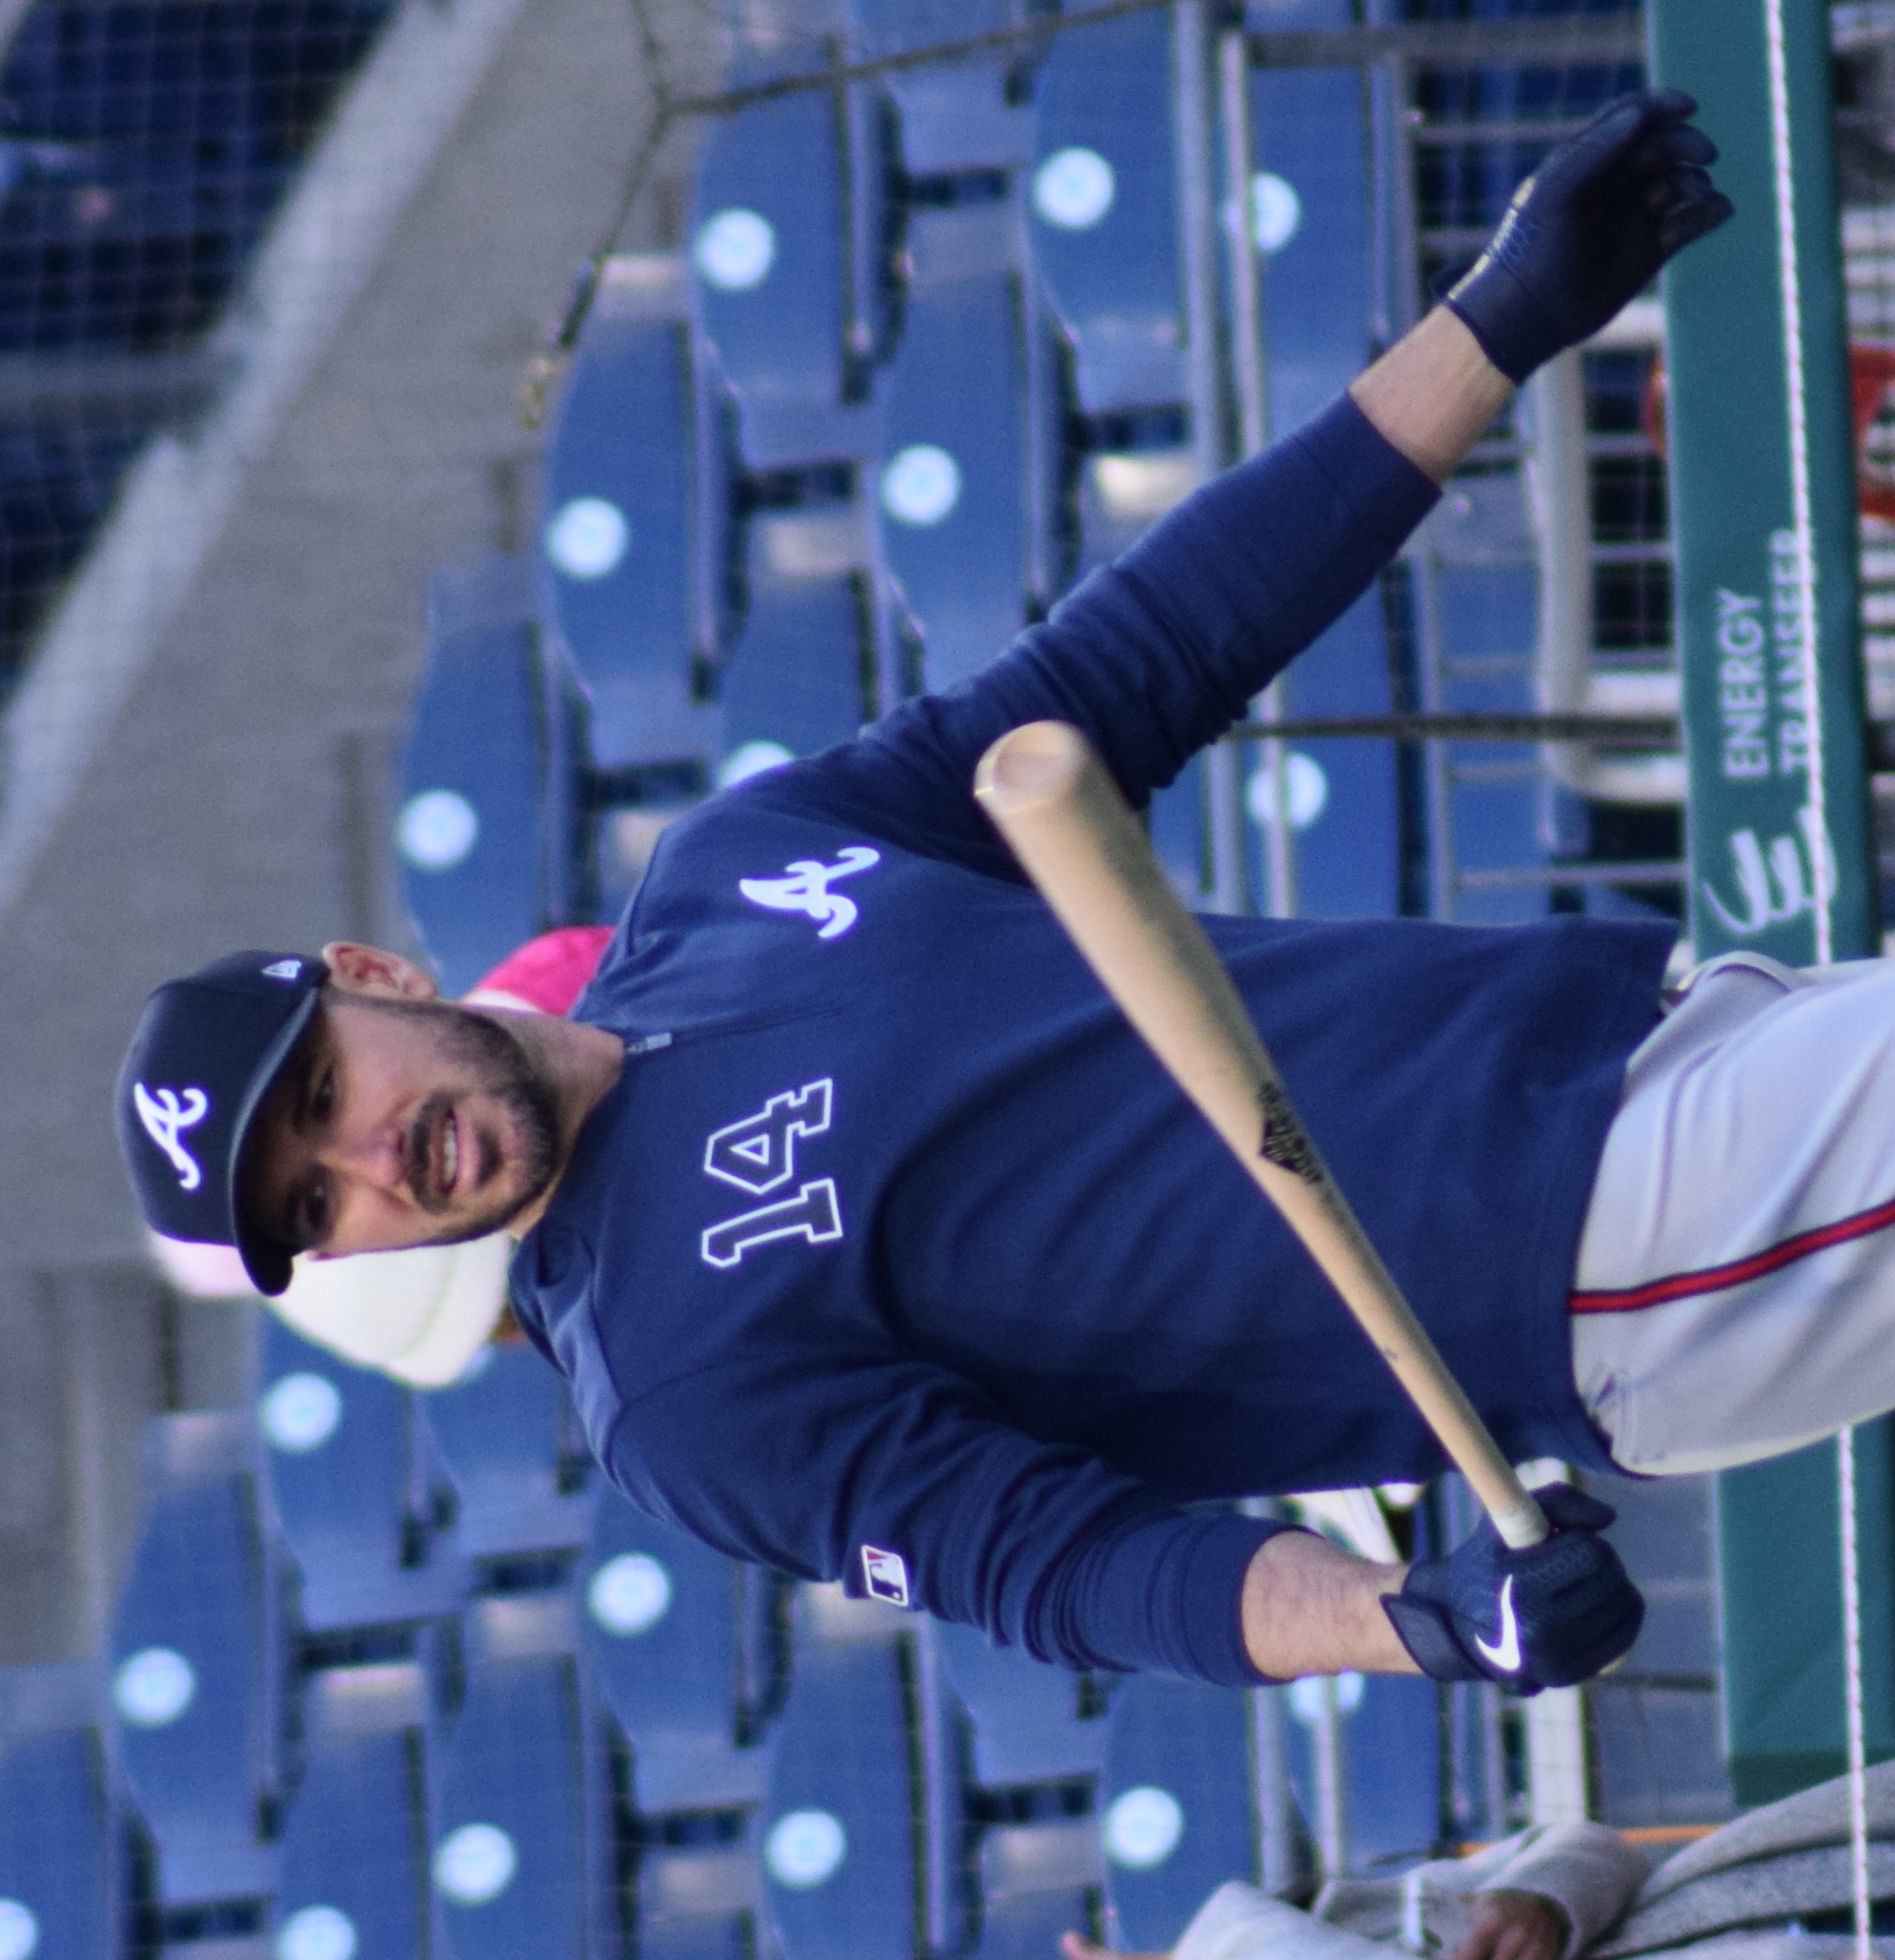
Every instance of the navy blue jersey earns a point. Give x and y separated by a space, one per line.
895 1256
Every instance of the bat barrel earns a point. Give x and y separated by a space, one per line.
1063 815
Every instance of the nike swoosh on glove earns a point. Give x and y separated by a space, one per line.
1590 229
1546 1617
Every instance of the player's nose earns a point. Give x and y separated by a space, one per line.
373 1156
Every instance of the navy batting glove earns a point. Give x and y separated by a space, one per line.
1545 1617
1590 229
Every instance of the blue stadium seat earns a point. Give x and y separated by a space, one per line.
1178 1812
1393 1756
520 1808
1390 1744
701 1900
636 548
951 486
344 1490
956 117
478 836
196 1658
1313 139
353 1864
1024 1713
776 259
1105 224
839 1854
506 1435
1024 1909
61 1883
796 678
664 1637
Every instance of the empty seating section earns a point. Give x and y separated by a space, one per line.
341 1455
513 1823
472 829
772 252
505 1437
61 1879
665 1631
630 583
838 1836
352 1870
796 675
953 470
1105 207
194 1655
1025 1715
1177 1809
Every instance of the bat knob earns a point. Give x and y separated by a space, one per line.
1037 764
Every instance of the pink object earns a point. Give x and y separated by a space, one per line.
549 973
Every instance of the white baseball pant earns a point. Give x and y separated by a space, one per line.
1735 1292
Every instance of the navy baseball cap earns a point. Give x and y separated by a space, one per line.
206 1048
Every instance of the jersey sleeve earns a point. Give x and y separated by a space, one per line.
898 1480
1153 655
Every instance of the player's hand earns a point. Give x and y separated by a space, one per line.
1545 1617
1590 229
1074 1946
1514 1926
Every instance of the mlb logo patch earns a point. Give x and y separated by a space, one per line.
885 1575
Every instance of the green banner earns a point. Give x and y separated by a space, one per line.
1763 500
1779 836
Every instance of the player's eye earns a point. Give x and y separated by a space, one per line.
322 1096
319 1209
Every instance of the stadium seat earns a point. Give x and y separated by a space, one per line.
506 1436
520 1813
196 1658
1312 151
699 1900
794 685
1392 1744
636 551
353 1876
61 1883
956 117
664 1637
839 1853
778 193
952 485
342 1476
1024 1713
1178 1811
1036 1881
1105 224
479 838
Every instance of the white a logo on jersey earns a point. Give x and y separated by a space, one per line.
164 1115
805 888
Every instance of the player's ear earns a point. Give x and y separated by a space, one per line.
357 969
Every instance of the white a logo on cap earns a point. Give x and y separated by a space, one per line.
164 1115
283 969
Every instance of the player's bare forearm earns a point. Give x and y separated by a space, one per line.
1433 394
1309 1608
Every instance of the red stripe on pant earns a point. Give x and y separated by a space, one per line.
1714 1278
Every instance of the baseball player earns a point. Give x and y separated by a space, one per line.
873 1244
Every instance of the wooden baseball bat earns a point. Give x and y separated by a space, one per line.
1061 811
